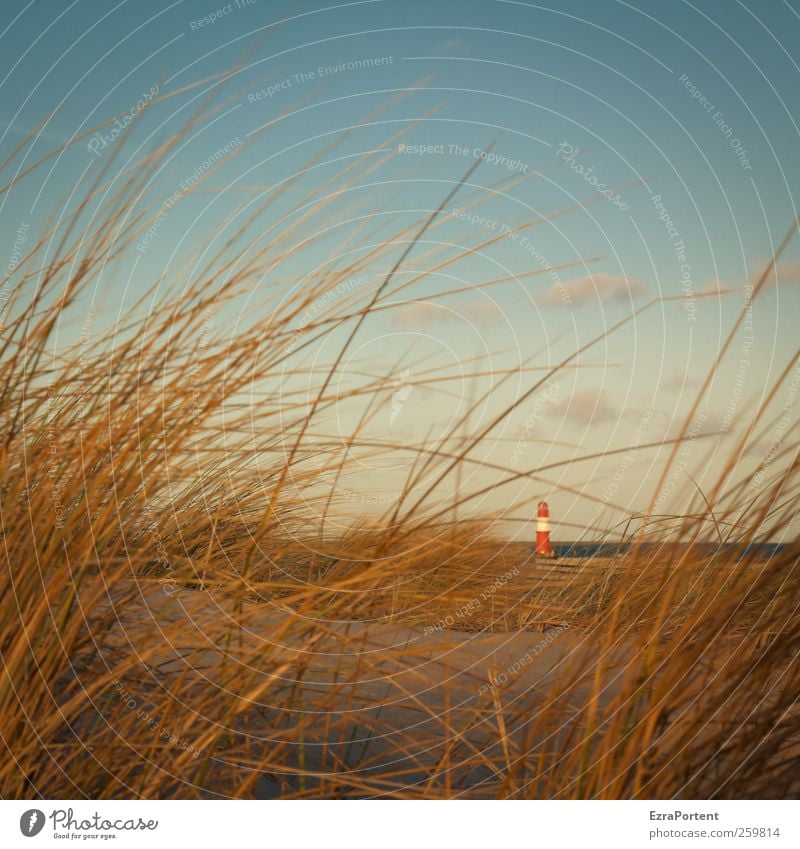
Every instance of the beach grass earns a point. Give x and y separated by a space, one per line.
188 612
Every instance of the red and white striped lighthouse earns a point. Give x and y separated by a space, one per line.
543 548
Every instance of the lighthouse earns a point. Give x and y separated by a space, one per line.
543 547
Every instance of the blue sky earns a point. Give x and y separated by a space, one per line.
691 106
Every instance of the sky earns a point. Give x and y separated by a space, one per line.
668 130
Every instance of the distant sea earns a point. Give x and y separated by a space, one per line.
761 550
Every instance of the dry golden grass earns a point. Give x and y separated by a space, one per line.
179 620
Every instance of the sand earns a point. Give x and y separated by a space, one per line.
382 697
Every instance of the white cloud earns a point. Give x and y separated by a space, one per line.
423 316
679 381
587 406
418 315
603 287
784 272
714 288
